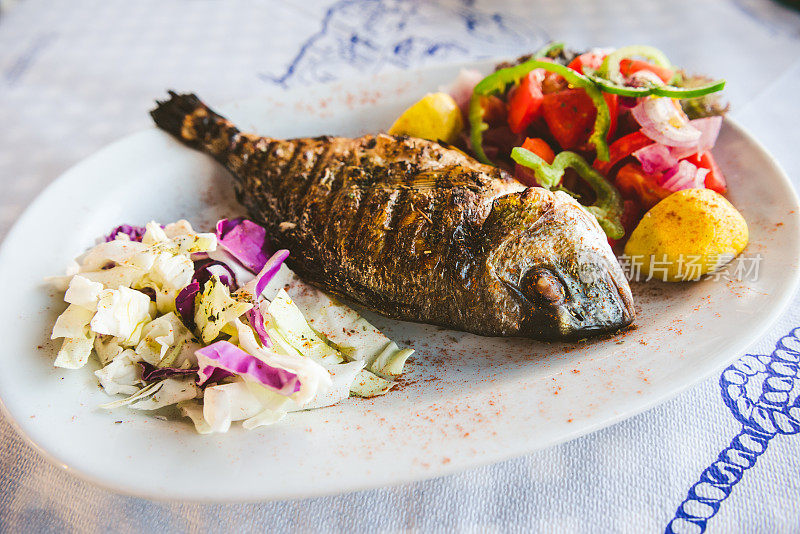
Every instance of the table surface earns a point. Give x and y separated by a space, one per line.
76 76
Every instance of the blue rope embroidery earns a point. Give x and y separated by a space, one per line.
762 393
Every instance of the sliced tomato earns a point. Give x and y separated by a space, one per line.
525 103
612 101
540 148
593 60
714 179
621 149
635 184
630 66
570 116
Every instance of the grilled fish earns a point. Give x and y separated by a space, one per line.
418 231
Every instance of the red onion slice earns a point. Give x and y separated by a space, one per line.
655 158
663 121
684 175
643 78
709 131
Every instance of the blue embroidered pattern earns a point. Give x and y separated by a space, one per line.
762 393
359 37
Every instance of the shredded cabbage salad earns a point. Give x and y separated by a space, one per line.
204 322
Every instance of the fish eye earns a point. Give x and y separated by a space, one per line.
543 284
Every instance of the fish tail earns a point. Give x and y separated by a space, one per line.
196 125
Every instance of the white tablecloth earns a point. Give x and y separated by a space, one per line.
77 75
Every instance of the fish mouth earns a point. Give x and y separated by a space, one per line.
566 305
587 314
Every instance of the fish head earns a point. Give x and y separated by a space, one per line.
553 268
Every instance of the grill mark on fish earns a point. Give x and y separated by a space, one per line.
417 231
352 158
438 220
264 167
326 206
311 219
296 178
267 151
259 159
394 210
287 178
248 151
366 234
345 205
302 195
353 245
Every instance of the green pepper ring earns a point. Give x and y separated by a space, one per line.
608 207
609 69
669 91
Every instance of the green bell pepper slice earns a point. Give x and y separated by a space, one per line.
657 90
689 92
610 87
608 207
609 69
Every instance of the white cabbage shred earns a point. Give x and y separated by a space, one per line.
121 309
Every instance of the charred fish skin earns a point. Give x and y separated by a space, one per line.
417 231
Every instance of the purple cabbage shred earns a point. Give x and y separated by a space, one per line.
134 232
151 373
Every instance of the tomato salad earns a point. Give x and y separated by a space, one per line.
622 111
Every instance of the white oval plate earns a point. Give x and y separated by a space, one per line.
466 400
